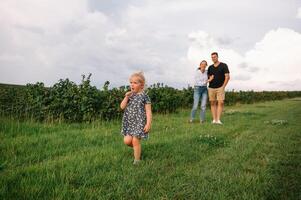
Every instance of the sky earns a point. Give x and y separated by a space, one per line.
48 40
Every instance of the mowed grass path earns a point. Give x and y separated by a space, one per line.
249 157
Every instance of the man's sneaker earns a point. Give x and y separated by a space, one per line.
213 122
218 122
190 121
202 121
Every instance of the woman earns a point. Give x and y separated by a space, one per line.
200 91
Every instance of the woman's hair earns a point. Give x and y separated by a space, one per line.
140 76
204 61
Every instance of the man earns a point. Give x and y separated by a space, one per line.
219 73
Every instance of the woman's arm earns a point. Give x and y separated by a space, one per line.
210 78
148 110
125 100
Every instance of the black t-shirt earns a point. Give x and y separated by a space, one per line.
219 74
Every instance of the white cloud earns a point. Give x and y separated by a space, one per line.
277 57
273 63
46 43
204 44
299 13
48 40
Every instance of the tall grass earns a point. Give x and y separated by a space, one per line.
245 158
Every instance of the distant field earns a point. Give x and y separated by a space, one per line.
256 154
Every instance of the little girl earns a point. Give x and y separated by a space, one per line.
137 117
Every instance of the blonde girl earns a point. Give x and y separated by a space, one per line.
137 117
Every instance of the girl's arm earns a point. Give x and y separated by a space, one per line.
148 110
125 100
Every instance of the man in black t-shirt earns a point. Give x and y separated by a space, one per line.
220 73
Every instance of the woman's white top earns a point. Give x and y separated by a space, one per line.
200 79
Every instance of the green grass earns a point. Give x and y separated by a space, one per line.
246 158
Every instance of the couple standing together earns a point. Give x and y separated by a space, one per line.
217 76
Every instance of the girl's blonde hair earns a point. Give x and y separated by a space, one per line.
140 76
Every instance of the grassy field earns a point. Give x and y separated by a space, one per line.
256 154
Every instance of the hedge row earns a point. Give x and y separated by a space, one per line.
67 101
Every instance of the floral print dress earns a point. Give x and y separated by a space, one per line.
134 117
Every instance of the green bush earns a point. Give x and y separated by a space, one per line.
67 101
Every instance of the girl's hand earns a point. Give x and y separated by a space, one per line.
147 128
125 100
128 94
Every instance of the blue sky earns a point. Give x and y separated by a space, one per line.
45 40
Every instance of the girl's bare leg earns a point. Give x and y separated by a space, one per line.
128 140
137 148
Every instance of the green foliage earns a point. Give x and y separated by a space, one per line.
67 101
165 99
64 101
12 100
248 97
35 100
111 99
